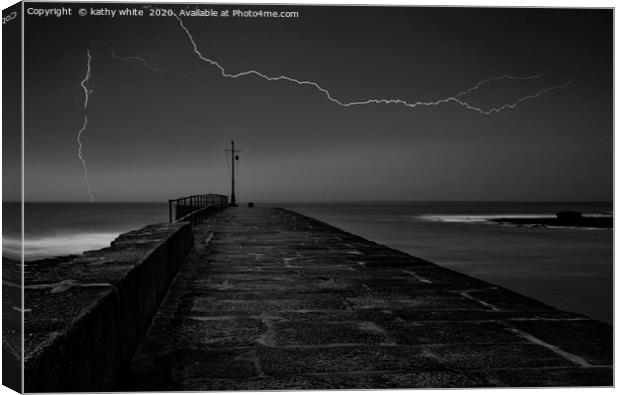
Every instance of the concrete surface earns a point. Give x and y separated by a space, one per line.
269 299
85 315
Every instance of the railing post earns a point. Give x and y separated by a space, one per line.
170 210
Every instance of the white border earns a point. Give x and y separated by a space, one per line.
479 3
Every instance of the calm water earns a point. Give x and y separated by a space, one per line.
571 269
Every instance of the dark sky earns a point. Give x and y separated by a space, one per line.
154 139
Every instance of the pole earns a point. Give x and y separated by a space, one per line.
233 199
233 158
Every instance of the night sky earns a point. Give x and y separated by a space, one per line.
151 138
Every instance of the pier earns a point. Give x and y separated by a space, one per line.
265 298
270 299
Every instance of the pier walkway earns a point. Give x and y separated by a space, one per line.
270 299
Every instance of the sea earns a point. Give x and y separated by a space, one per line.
568 268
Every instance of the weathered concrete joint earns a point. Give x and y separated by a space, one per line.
86 315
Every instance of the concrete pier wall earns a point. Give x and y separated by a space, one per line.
86 315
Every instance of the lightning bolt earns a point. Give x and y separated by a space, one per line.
146 64
498 78
86 79
457 98
134 58
454 99
87 93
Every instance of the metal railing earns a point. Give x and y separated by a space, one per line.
195 208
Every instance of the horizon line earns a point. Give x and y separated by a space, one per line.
329 201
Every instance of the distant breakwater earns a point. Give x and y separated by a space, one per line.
562 219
